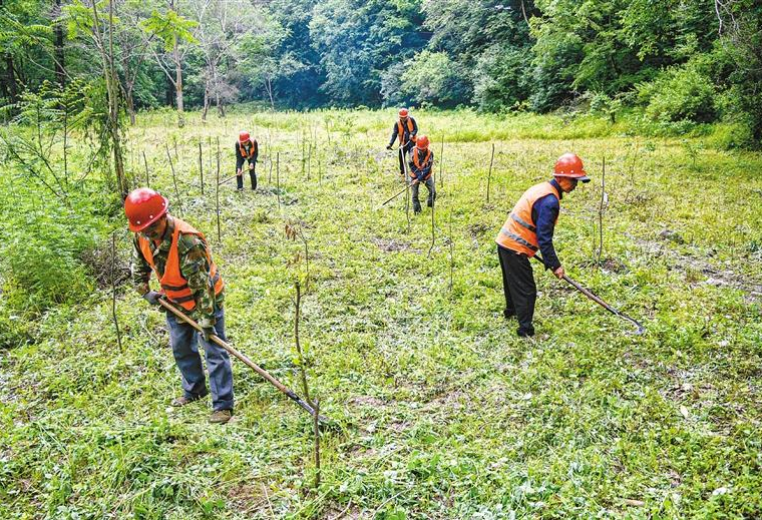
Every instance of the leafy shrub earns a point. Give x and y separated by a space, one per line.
501 78
679 94
433 77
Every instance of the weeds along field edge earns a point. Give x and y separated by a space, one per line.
445 413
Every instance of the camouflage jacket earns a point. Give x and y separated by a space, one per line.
193 266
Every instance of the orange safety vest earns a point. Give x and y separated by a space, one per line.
401 130
419 165
519 232
252 149
173 285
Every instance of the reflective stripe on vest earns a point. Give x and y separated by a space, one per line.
173 285
519 232
418 163
252 149
401 130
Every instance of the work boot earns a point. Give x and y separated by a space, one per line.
416 207
220 416
508 314
182 401
525 333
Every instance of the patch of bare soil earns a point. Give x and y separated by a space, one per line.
690 264
393 246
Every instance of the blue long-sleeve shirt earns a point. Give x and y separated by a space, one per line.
424 172
407 134
544 214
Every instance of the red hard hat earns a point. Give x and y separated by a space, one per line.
570 165
143 207
243 136
403 112
422 142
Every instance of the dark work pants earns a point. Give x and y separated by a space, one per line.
402 152
185 340
429 183
518 285
252 174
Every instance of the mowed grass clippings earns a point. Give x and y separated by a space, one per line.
444 412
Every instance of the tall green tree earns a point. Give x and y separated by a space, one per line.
174 34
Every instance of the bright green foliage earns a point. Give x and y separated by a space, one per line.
680 94
431 78
357 40
170 27
445 412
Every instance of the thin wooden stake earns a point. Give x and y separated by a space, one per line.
489 175
433 205
201 166
452 262
219 228
148 177
441 163
600 212
277 176
113 289
174 177
309 163
302 362
316 432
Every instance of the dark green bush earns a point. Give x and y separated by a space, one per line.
679 94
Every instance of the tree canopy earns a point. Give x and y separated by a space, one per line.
677 61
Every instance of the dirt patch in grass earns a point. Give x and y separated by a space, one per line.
394 246
478 229
696 268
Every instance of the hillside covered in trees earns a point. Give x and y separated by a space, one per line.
675 63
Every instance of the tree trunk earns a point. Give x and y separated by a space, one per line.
59 45
269 88
13 90
169 96
130 104
179 85
206 100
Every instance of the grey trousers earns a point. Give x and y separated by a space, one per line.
429 183
184 340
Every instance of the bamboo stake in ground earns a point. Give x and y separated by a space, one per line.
201 166
601 208
489 175
277 176
433 236
174 177
302 362
148 176
452 261
441 163
316 433
113 290
219 229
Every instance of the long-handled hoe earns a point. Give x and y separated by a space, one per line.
599 301
407 185
324 421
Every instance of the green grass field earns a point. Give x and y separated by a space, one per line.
444 412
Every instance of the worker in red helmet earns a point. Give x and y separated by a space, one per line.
421 171
406 130
246 150
180 257
529 229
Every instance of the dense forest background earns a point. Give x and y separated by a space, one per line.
677 63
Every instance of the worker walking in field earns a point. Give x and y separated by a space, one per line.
180 257
405 130
421 164
529 229
246 150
